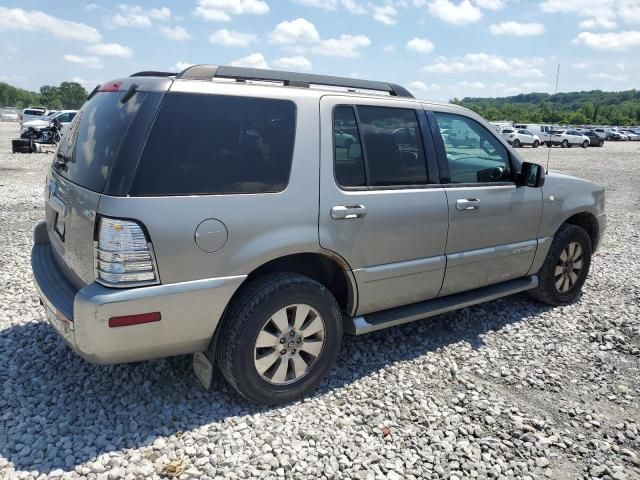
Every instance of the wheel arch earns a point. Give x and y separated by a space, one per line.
588 222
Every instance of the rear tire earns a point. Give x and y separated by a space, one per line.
566 267
585 144
265 311
601 143
565 144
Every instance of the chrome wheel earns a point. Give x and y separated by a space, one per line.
569 267
289 344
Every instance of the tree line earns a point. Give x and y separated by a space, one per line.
594 107
67 96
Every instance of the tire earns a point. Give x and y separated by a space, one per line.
609 137
536 144
548 290
601 143
251 316
516 143
585 144
565 144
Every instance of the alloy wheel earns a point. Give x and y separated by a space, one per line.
289 344
569 267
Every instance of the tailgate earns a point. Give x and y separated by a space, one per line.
71 214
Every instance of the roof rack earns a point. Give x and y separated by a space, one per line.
151 73
289 79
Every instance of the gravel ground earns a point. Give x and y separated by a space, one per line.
508 389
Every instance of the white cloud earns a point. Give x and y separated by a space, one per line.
255 60
222 10
422 87
298 62
231 38
420 45
630 11
461 13
612 77
580 66
92 7
599 22
295 31
609 41
324 4
136 16
110 49
40 22
182 65
491 4
384 13
517 29
87 84
471 85
485 62
345 46
584 8
176 33
91 62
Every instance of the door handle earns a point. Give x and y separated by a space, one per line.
468 204
347 212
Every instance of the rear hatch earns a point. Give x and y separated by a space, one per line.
97 155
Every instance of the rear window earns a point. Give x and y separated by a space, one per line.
88 150
214 144
34 112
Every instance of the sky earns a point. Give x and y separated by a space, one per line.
439 49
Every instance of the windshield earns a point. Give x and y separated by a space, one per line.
87 152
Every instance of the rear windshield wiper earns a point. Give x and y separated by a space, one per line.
61 160
130 93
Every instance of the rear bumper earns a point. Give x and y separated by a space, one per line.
190 313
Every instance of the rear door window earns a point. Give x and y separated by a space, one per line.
214 144
88 150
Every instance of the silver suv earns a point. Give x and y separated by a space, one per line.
249 217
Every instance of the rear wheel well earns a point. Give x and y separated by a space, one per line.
588 223
320 268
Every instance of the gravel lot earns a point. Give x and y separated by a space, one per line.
508 389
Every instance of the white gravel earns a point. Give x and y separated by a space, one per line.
509 389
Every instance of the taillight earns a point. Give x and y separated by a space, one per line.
110 87
124 255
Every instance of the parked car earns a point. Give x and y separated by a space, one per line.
518 138
616 135
9 115
32 113
542 131
594 139
63 116
631 135
568 138
256 251
343 139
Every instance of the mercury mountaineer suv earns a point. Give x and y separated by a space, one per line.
213 212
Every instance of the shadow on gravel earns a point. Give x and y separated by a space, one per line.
58 411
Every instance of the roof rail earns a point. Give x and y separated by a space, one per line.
289 79
151 73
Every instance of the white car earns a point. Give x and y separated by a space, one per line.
9 115
568 138
519 137
64 117
32 113
631 135
343 139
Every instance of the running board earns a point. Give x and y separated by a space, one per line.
399 315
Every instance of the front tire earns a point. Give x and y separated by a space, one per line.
566 267
565 144
279 338
585 144
516 143
536 144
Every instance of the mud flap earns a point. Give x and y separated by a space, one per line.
203 368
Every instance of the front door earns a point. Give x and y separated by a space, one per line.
381 208
493 224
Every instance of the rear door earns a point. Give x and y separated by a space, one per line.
493 225
380 206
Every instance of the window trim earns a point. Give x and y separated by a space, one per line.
432 180
443 163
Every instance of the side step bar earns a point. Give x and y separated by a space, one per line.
397 316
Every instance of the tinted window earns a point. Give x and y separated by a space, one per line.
393 146
88 150
349 163
474 155
34 112
212 144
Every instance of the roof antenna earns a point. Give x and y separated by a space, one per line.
553 116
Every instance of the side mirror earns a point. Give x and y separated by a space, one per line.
531 175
